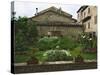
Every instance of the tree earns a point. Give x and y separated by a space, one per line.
25 34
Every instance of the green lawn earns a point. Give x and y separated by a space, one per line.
89 56
21 58
39 55
24 58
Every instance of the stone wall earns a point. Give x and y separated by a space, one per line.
65 30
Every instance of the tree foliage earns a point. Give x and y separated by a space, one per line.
25 33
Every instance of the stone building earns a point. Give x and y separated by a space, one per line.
55 22
87 15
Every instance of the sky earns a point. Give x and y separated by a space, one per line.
28 9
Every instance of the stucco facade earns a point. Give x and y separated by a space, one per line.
87 15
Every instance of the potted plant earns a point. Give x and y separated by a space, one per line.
79 59
32 60
77 55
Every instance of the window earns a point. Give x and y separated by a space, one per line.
94 34
95 19
84 14
90 35
81 15
78 16
84 26
88 25
88 10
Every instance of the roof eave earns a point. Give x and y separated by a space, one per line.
82 7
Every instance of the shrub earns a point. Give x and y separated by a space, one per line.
77 51
79 59
32 60
67 43
87 41
47 43
57 55
77 54
38 55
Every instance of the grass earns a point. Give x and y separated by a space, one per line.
21 58
89 56
39 55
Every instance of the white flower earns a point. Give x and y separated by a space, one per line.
67 52
90 39
84 36
57 46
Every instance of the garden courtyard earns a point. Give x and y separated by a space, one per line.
33 49
57 49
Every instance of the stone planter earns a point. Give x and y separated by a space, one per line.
32 61
78 59
92 49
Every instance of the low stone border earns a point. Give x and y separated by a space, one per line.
54 67
20 64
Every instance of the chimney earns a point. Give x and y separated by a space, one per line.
36 11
